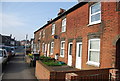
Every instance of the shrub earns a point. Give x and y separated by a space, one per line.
30 55
51 61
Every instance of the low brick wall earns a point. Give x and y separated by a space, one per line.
44 72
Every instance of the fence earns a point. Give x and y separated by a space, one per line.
96 77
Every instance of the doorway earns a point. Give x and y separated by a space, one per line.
78 55
118 58
118 54
70 54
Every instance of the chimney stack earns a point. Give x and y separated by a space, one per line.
49 20
61 11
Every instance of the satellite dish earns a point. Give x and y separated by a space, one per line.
56 36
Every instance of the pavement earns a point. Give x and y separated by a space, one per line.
18 70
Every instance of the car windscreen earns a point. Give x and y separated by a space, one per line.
12 49
7 48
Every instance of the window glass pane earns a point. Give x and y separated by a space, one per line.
94 44
95 17
62 28
62 51
95 8
94 56
52 45
79 51
63 25
62 44
70 50
51 50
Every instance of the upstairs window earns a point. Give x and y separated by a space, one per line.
53 29
43 33
62 50
40 34
94 52
52 47
95 14
64 25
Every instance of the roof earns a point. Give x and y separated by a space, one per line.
65 13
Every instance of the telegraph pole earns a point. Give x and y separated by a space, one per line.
26 42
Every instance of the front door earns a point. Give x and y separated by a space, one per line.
45 50
70 54
48 50
78 55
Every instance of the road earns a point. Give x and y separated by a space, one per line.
17 69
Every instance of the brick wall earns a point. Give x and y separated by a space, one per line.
41 73
46 73
78 27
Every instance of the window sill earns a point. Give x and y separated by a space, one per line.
52 34
63 31
94 23
93 63
51 53
61 56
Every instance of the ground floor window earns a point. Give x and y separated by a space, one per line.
43 47
94 52
52 47
62 49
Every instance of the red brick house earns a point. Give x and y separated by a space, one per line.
87 36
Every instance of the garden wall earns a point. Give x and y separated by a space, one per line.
44 72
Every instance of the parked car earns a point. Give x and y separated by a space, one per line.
8 49
3 61
13 51
3 56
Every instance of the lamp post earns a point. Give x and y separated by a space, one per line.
26 43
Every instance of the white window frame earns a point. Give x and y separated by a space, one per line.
94 22
97 64
40 34
63 25
62 48
43 33
53 29
43 47
52 48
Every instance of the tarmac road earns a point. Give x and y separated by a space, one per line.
18 70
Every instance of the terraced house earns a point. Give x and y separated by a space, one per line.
87 36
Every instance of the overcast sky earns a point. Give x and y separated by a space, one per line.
21 18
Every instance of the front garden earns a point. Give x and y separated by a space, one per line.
46 60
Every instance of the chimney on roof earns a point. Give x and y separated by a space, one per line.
61 11
10 35
49 20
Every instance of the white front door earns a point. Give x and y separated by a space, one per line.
48 50
70 54
45 50
78 55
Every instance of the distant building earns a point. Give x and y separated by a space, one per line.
7 40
